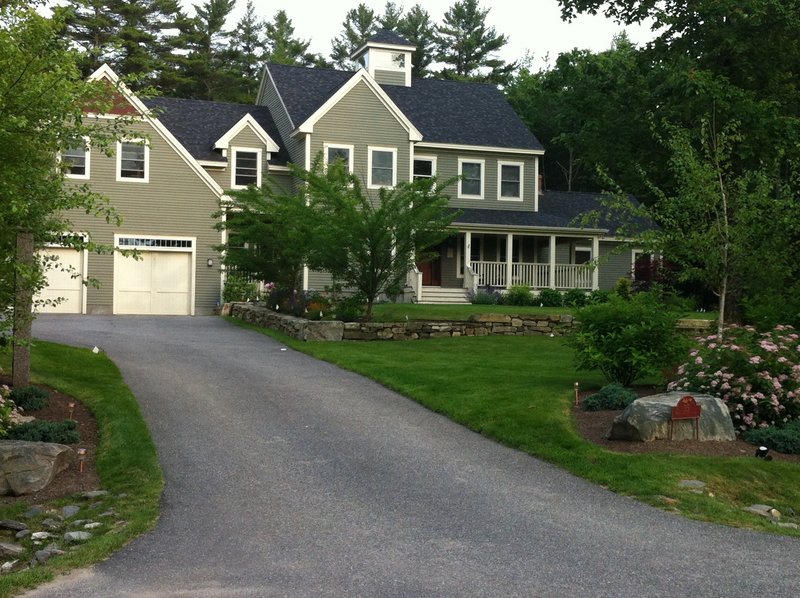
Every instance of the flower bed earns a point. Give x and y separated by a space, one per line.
756 374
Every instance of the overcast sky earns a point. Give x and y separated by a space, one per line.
533 25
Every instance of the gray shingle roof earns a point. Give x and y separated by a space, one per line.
198 124
452 112
386 36
557 209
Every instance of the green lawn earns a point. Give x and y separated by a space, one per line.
126 457
518 390
397 312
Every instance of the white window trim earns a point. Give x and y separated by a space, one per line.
431 159
259 158
391 150
146 145
327 146
87 155
482 162
521 165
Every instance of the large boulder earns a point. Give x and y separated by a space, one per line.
648 418
27 467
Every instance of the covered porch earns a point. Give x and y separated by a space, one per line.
475 259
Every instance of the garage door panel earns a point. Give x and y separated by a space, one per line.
64 280
159 283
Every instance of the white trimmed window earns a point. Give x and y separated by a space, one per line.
333 152
133 157
246 168
509 181
77 160
582 255
424 167
382 167
471 184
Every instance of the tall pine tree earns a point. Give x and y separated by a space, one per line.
416 27
359 25
468 46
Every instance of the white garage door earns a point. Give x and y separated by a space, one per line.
158 284
64 281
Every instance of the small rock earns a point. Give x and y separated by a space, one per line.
93 525
77 536
33 512
96 505
11 549
691 484
774 514
787 525
123 495
40 556
668 500
70 511
52 524
763 510
12 525
8 565
77 522
40 536
790 512
23 533
94 494
109 513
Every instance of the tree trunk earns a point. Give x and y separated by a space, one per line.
23 304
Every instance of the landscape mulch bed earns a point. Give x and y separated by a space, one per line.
594 425
71 480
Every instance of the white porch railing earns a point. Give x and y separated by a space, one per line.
471 279
569 276
536 276
491 274
414 280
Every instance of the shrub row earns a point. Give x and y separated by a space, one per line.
523 296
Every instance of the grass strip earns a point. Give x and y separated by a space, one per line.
519 390
126 456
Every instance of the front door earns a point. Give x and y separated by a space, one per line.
431 272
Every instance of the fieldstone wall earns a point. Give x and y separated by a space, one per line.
299 328
477 325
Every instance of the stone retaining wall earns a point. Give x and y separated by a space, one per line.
476 325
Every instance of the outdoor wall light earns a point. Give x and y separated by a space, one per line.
210 262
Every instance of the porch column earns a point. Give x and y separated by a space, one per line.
509 266
552 256
595 263
467 250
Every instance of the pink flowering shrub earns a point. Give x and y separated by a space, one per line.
757 374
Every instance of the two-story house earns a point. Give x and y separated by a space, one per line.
168 178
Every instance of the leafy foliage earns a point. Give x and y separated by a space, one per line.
518 295
239 288
9 413
575 298
30 398
63 432
785 439
756 374
611 397
487 296
626 340
549 298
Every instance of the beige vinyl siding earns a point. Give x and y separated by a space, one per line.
280 181
221 176
390 77
175 202
295 148
613 266
317 281
447 167
360 119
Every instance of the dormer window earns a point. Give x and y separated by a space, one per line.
246 168
336 152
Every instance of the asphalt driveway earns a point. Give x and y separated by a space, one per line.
286 476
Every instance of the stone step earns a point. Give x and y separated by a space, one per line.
444 296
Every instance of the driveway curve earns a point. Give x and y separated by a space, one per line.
286 476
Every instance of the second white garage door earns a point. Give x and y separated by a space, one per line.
64 281
160 283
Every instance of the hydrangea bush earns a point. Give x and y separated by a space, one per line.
756 373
